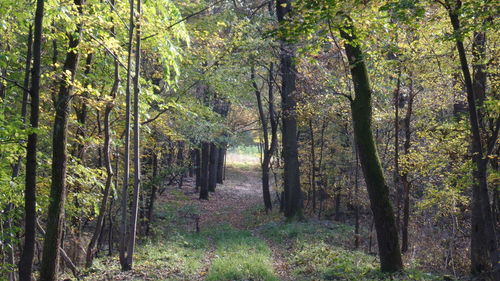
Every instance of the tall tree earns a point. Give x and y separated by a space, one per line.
483 227
137 148
292 194
126 165
55 216
269 144
107 159
378 191
28 252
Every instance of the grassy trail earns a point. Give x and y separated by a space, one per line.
238 241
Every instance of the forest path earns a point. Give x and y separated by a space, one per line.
230 244
234 210
232 201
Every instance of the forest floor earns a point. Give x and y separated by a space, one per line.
238 241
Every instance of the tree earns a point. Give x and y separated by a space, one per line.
483 227
55 216
292 194
213 167
28 252
137 149
378 191
204 171
107 160
269 144
126 174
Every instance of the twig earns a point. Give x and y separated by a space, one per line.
13 82
63 253
184 19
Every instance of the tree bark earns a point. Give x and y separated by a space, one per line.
266 159
220 163
378 191
404 176
291 174
213 162
205 155
313 166
197 168
137 151
180 162
55 216
152 197
126 165
28 251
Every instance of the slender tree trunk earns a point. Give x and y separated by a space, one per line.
356 202
378 191
397 185
152 197
9 239
404 176
55 216
107 163
313 166
24 104
137 151
205 155
483 229
197 168
293 193
126 167
28 251
213 160
192 162
180 162
220 163
266 159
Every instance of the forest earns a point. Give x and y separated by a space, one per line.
249 140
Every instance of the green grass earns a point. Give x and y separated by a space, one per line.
179 257
320 261
330 232
316 251
240 256
252 150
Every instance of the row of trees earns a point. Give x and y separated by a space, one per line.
329 22
198 77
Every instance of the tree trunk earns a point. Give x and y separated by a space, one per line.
291 173
137 150
266 159
483 229
126 168
205 155
313 166
378 191
55 216
107 163
404 176
28 251
356 202
192 162
213 161
180 162
397 185
197 168
220 163
152 197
